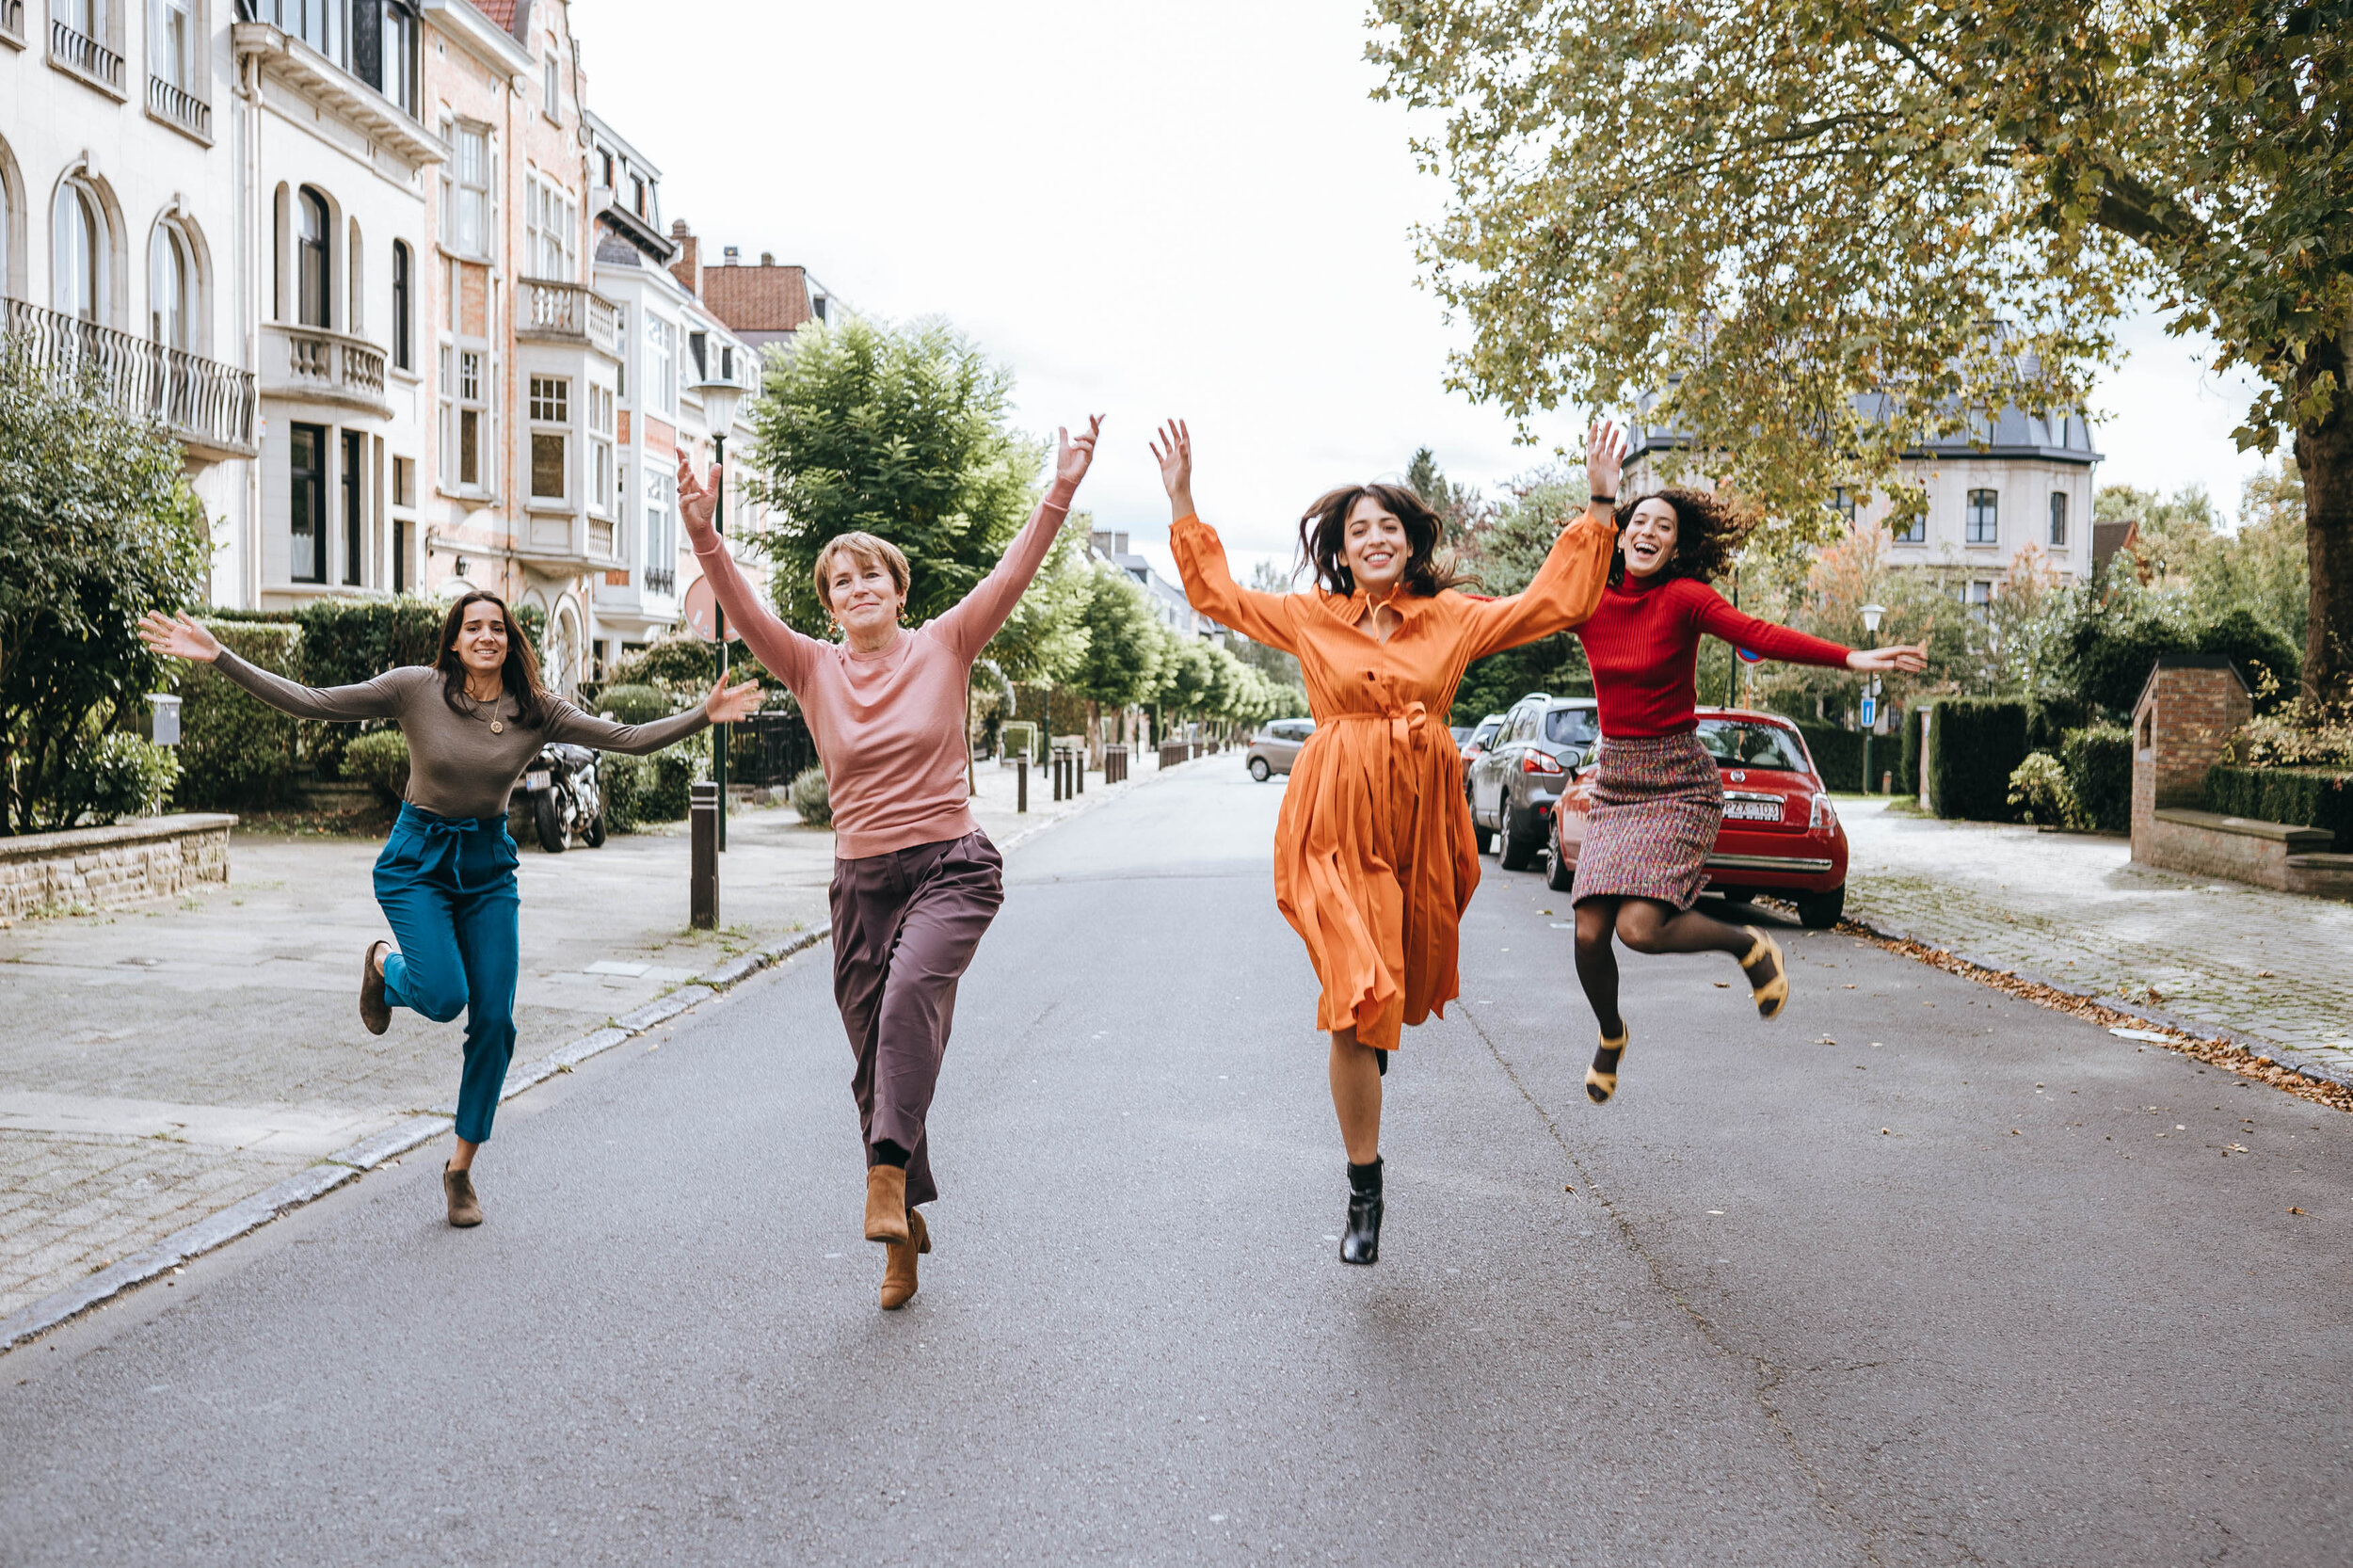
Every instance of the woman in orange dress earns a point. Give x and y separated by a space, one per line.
1374 861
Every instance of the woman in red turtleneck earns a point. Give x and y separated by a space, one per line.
1656 799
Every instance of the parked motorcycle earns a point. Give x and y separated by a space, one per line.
565 797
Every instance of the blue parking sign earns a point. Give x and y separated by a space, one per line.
1870 711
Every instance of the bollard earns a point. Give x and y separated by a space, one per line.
702 815
1079 771
1021 783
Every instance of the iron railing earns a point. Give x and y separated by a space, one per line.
770 749
661 580
569 311
81 52
204 402
182 108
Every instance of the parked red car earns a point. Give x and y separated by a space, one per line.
1780 836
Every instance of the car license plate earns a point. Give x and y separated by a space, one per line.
538 780
1752 810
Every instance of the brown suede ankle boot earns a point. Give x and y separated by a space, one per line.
899 1271
464 1208
887 1204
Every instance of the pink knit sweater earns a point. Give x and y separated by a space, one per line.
889 725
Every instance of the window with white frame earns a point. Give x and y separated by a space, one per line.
170 287
1842 504
2058 520
661 545
466 189
466 425
602 499
550 436
1984 523
77 269
551 100
661 367
171 55
551 232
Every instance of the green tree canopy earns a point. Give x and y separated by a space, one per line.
1122 658
97 526
1784 232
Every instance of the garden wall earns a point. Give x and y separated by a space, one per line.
109 867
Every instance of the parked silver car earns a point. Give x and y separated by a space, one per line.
1276 746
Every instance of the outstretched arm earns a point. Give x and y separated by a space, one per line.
1209 585
1797 648
1568 586
778 646
725 705
967 625
183 638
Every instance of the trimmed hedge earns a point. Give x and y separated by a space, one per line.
2300 797
1975 745
2099 763
1838 753
1908 761
237 750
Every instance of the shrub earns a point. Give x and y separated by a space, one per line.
621 779
1908 761
664 783
237 750
118 775
1838 753
2267 661
2039 793
681 664
2099 763
810 799
2301 735
634 702
2302 797
1973 746
380 761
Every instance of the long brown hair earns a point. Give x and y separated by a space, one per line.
1709 531
1323 541
520 672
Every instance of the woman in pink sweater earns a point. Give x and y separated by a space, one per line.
916 882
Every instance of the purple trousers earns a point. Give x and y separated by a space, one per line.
905 928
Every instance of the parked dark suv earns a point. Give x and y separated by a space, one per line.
1515 782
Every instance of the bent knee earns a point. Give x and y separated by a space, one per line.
439 1002
1640 933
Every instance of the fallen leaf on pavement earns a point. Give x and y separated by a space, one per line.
1884 1132
2299 1211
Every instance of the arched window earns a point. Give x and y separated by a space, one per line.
78 262
403 340
170 287
310 273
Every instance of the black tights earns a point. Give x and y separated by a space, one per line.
1646 926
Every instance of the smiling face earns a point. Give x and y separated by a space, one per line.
1375 547
1649 539
862 595
482 639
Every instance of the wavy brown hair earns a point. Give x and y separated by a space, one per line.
520 672
1323 541
1709 531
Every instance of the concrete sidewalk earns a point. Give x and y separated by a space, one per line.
159 1066
2072 910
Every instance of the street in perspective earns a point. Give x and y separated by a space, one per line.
1357 783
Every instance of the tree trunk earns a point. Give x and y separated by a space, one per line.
2324 454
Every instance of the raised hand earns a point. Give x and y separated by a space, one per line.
1072 461
1172 448
1912 658
1606 449
730 704
694 502
182 638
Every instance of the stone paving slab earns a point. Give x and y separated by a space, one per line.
160 1066
2072 910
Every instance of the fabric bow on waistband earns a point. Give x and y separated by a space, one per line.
445 836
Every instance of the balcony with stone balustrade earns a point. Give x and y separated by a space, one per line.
316 365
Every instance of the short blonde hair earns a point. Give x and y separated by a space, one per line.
867 551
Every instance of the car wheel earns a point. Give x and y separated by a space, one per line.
1482 837
1519 847
1820 911
1260 771
1560 875
550 824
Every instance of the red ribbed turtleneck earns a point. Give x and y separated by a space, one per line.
1644 643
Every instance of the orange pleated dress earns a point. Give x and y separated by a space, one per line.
1374 861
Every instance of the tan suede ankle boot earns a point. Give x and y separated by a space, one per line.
464 1208
899 1271
887 1204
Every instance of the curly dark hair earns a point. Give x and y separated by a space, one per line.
1323 541
1709 531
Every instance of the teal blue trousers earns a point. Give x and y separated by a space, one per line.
447 886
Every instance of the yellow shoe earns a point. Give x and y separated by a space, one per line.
1771 994
1601 1078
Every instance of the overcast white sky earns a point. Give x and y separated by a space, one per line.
1189 209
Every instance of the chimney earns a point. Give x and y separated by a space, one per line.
688 268
734 257
767 258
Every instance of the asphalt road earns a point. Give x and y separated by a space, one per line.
1760 1329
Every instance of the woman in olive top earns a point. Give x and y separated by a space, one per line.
474 721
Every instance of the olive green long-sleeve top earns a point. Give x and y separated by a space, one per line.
461 763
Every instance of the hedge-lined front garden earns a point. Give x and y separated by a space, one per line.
2300 797
1973 746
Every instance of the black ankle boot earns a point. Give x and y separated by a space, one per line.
1361 1242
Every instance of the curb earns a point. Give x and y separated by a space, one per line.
2262 1050
348 1164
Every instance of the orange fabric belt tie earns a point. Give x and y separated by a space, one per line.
1408 726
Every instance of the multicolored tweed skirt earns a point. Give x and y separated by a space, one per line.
1657 802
